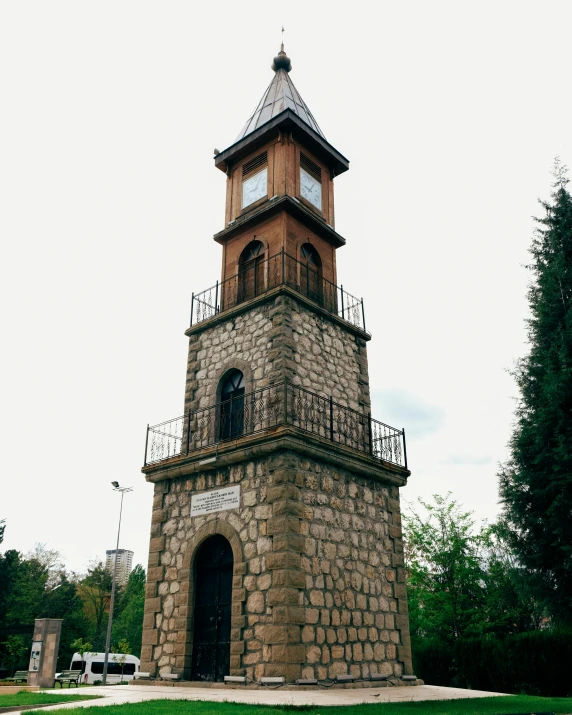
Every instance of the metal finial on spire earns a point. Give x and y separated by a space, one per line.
282 61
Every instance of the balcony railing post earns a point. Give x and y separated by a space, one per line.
404 448
189 432
216 311
192 307
362 314
331 418
146 445
342 293
370 435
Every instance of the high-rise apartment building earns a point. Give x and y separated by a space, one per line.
124 564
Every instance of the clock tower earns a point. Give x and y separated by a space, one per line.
276 546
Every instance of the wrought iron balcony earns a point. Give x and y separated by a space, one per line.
259 277
279 404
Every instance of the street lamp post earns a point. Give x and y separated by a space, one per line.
123 490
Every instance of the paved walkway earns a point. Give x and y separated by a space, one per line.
119 694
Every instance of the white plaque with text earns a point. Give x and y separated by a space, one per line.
217 500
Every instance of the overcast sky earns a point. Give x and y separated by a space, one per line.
451 114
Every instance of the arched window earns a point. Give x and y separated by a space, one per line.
311 273
251 271
212 616
231 415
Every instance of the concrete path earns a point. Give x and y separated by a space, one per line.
119 694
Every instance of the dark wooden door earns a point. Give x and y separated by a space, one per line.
251 279
213 592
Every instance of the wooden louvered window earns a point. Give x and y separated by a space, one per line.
310 167
255 163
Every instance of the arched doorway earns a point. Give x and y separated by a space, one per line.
213 595
311 272
231 414
251 271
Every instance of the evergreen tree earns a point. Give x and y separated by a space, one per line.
536 482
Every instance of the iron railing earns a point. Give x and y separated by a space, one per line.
278 404
259 277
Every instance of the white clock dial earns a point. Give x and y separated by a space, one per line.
254 188
311 189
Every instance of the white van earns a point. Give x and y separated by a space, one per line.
117 670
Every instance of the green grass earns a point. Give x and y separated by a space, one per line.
508 705
26 697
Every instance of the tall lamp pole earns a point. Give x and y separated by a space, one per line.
123 490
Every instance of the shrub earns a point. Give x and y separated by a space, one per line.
536 663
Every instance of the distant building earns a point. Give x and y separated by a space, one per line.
124 564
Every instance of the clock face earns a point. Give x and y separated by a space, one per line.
254 188
311 189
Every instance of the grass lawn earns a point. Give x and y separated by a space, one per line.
509 705
25 697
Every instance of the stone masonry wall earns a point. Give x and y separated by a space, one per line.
277 339
355 596
318 581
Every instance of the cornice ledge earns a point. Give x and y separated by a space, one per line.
295 207
278 439
269 296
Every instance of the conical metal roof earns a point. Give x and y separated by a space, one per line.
280 95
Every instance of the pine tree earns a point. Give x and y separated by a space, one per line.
536 481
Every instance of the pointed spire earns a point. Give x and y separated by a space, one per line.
279 96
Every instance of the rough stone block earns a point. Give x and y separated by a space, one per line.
150 636
289 542
283 597
290 671
156 573
289 577
152 605
283 525
281 492
151 589
282 560
287 506
157 544
288 653
158 516
289 614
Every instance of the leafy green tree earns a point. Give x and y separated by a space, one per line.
63 601
446 580
16 648
536 481
128 621
95 592
2 529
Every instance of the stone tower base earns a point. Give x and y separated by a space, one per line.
318 577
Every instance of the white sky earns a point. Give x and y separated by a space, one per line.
451 114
